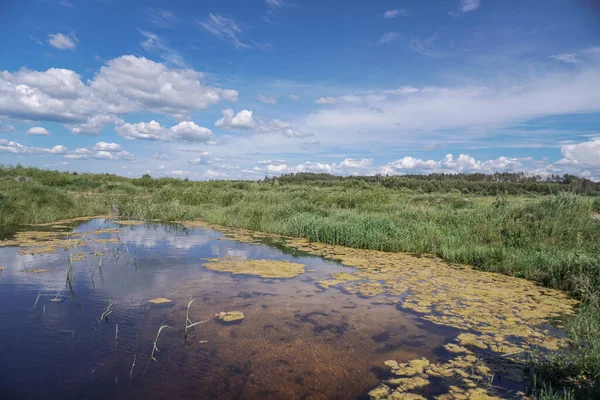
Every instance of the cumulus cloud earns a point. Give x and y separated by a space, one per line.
37 131
586 154
7 146
62 41
100 151
125 84
104 146
241 120
184 131
365 166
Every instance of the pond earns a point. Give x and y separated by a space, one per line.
83 303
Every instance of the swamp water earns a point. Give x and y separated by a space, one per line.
82 303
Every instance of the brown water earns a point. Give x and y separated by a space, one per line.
297 340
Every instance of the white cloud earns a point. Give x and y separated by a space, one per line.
154 44
203 159
241 120
267 99
276 3
427 48
326 100
62 41
365 166
394 13
225 29
477 106
586 154
7 146
469 5
209 174
100 151
274 162
137 82
401 90
125 84
189 131
37 131
570 58
184 131
107 146
160 18
142 130
278 168
388 37
465 6
293 97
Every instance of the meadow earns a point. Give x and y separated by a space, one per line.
545 230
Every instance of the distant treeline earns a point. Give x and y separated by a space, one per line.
477 183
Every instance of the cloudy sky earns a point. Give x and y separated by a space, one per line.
247 88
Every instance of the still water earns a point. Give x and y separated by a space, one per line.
298 340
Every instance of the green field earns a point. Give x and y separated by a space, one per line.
543 230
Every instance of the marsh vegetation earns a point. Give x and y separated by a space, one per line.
541 230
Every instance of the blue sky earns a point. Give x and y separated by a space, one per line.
247 88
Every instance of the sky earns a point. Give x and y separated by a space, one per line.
240 89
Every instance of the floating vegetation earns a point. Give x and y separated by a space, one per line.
159 300
501 317
230 316
36 270
262 268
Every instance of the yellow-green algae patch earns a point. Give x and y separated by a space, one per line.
262 268
501 316
36 270
230 316
48 242
159 300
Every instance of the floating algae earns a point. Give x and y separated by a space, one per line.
230 316
502 317
36 271
48 242
262 268
159 300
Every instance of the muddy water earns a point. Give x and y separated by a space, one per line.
302 337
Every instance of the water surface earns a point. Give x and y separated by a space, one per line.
298 340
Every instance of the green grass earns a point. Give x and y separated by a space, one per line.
545 233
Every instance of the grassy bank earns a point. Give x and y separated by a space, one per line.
542 232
